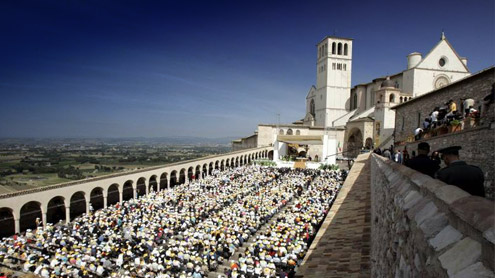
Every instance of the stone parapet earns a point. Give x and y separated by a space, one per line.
422 227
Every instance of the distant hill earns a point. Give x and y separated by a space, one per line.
169 140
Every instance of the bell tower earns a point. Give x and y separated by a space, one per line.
333 79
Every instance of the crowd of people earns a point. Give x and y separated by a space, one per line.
187 231
456 172
278 250
444 115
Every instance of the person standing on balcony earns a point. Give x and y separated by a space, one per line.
467 177
422 163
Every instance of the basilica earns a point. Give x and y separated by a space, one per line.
341 120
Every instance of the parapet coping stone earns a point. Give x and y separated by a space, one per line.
457 205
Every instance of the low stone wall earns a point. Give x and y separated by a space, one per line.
422 227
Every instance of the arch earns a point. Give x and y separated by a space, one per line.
227 163
368 143
197 173
190 173
289 131
400 99
56 209
29 212
7 222
333 48
153 185
164 181
141 187
339 49
77 204
312 108
232 162
281 132
354 142
210 168
205 170
270 155
113 194
217 166
345 49
391 98
173 179
222 165
127 191
182 176
298 132
96 198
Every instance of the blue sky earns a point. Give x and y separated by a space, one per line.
203 68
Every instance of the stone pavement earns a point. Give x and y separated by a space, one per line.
342 246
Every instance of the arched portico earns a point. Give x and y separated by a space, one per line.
210 168
113 194
153 185
127 191
173 179
205 170
190 173
56 210
198 172
97 198
182 176
354 142
141 187
29 212
7 222
77 205
163 181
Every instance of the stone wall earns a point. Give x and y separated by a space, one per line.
422 227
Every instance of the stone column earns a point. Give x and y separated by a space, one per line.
121 195
67 214
87 206
43 218
168 181
105 201
134 192
17 225
146 187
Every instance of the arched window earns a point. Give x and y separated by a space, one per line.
400 99
354 100
333 48
392 98
281 132
345 67
339 49
312 107
289 131
298 132
345 49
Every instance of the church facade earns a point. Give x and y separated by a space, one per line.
340 120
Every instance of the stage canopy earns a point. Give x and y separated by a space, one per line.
301 139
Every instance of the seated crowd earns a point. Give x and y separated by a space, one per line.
186 231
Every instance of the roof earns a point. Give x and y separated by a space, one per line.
431 50
443 88
301 139
334 37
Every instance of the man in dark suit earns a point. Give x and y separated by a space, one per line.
467 177
422 163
